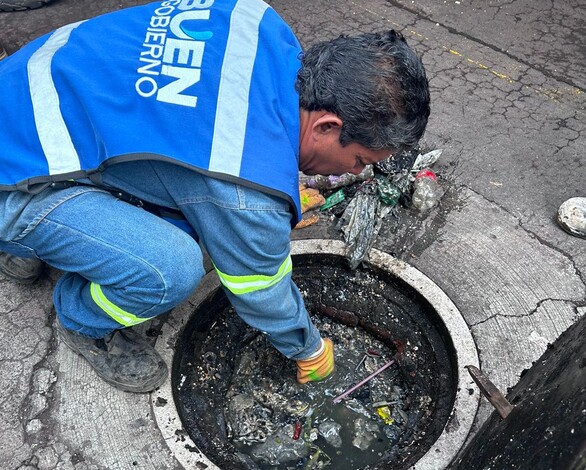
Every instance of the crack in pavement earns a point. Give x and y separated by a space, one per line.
540 239
492 47
528 314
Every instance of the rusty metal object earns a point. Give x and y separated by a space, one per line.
489 390
352 319
339 316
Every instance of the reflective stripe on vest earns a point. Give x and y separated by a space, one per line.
116 313
52 130
232 111
240 285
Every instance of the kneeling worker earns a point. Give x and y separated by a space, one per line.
208 110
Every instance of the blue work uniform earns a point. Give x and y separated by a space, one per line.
201 88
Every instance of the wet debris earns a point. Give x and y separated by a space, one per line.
310 199
334 181
330 430
280 423
339 398
361 202
243 394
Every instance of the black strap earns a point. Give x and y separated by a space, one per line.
161 211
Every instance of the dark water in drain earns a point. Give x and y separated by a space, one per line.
266 404
239 400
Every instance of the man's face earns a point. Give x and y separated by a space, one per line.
334 159
320 150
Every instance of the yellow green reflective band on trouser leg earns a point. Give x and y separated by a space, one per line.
240 285
115 312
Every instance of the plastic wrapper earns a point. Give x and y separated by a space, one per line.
307 221
399 162
425 160
310 199
388 192
360 224
332 200
334 181
385 414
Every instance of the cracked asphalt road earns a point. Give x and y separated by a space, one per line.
508 109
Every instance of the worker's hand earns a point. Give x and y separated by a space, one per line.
310 199
318 368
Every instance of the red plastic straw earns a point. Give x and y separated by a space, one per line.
339 398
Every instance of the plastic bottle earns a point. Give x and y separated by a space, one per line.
427 190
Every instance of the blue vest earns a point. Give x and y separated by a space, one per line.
209 84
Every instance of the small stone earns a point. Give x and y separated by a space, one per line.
572 216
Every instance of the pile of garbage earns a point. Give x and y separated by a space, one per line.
361 202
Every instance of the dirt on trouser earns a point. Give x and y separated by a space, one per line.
241 404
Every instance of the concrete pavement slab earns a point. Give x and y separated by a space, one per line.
25 338
515 294
509 111
545 36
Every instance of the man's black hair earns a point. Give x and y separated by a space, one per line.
374 82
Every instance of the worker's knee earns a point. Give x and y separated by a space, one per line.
183 272
164 278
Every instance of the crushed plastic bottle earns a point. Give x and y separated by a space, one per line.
427 192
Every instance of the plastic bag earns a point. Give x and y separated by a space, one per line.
360 224
425 160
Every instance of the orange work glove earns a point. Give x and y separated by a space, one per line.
319 367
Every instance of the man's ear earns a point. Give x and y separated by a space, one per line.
327 123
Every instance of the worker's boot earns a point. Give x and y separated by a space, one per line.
26 270
319 366
123 358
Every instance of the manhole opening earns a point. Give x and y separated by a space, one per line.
239 402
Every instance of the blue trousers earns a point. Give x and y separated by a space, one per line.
124 265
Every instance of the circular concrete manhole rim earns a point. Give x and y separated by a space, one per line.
444 449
